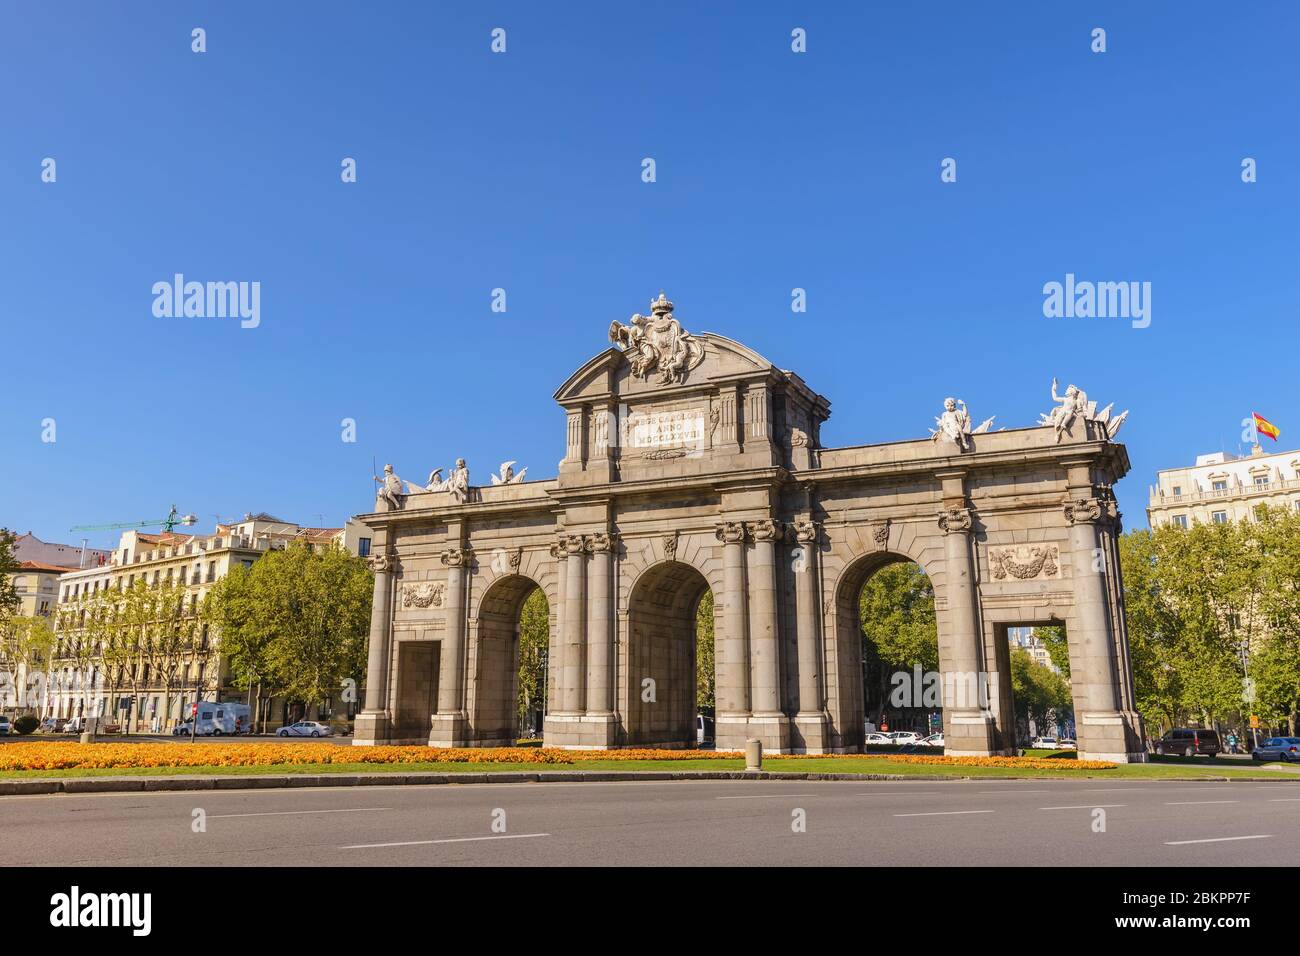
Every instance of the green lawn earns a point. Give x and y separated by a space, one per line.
1166 768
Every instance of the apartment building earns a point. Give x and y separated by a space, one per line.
1028 640
1223 487
28 547
161 690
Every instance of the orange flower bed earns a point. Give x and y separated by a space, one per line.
64 756
1030 763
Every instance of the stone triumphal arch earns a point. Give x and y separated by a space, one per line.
692 463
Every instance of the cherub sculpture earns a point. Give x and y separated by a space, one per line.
954 425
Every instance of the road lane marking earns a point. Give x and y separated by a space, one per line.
1014 791
1115 790
1258 836
1284 800
1088 806
290 813
499 836
900 793
1195 803
767 796
942 813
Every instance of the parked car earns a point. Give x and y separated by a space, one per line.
1189 742
1284 749
49 725
6 726
1044 743
1067 743
878 740
305 728
934 740
900 738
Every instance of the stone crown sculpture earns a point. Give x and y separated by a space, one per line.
658 343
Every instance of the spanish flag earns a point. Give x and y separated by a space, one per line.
1264 427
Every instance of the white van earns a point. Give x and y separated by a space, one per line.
218 720
227 719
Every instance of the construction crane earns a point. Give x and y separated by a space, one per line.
168 524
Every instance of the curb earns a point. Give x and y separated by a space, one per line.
79 785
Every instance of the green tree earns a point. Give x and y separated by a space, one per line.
1038 691
8 566
1058 647
534 645
1200 604
299 619
704 656
898 627
25 647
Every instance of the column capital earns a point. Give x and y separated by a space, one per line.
955 520
807 531
602 542
730 532
455 557
382 562
577 544
1088 510
766 530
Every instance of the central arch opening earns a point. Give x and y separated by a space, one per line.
885 608
670 679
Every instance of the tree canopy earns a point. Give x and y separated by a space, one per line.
296 622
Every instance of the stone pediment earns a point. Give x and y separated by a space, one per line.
665 402
611 372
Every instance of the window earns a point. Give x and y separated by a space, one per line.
363 544
1220 517
1178 491
1179 521
1261 481
1221 485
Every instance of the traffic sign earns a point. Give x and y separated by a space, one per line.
194 708
1254 721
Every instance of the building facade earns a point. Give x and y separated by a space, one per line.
1222 487
28 547
160 691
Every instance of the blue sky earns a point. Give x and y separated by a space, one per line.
522 171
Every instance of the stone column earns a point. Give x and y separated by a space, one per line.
768 722
449 725
598 727
731 653
969 728
810 721
1102 730
573 670
373 721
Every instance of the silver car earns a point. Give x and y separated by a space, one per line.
305 728
1284 749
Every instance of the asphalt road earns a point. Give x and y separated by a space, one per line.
1030 823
